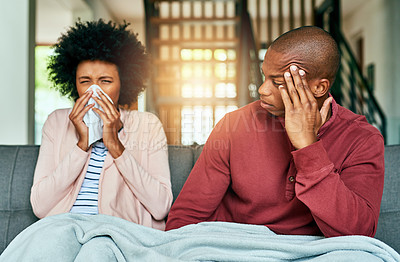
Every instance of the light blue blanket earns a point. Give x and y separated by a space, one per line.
72 237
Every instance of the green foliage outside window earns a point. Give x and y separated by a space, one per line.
47 99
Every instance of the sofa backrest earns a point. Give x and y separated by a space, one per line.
18 164
181 162
389 218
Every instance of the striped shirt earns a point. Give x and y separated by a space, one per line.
87 200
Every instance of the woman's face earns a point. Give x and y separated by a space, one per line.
101 73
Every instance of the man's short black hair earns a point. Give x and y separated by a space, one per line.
315 46
97 40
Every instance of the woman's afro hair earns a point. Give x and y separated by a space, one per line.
102 41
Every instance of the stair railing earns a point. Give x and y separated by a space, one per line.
350 88
250 77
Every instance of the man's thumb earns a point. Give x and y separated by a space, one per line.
325 109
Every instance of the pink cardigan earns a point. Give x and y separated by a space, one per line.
136 186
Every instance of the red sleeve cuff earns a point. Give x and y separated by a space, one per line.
311 158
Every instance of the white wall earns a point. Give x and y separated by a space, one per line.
393 69
54 17
377 21
15 47
99 10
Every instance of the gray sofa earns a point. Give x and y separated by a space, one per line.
18 162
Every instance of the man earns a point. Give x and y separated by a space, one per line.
295 161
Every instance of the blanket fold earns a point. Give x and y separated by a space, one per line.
74 237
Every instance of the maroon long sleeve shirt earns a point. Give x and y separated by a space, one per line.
248 172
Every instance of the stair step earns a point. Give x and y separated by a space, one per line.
199 20
170 100
208 80
191 62
169 1
200 43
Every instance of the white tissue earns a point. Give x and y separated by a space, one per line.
92 119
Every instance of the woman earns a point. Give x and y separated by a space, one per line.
124 174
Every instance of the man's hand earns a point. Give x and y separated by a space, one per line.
111 124
303 119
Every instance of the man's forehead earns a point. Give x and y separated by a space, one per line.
278 63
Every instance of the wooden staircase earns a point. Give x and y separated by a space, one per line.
271 18
207 54
195 46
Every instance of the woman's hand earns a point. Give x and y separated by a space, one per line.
76 116
111 124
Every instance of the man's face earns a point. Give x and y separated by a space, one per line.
274 66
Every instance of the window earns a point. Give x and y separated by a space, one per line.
194 79
47 99
209 76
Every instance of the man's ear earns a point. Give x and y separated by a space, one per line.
320 87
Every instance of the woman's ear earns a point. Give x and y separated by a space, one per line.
320 87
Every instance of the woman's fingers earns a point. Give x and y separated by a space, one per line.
82 113
79 109
76 116
102 115
110 123
81 102
108 119
106 105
